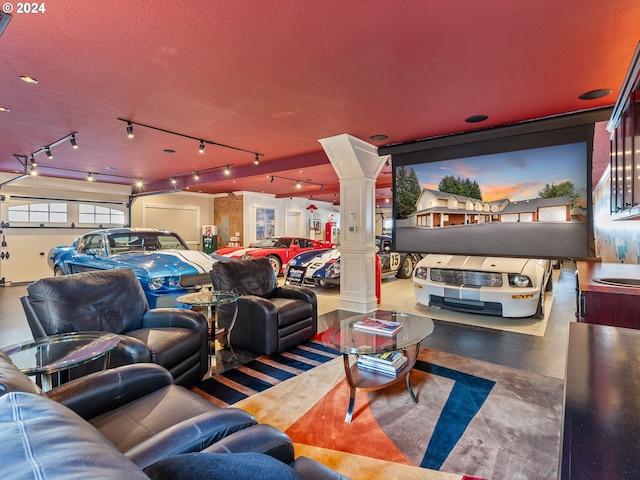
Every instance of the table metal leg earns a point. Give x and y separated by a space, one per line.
352 388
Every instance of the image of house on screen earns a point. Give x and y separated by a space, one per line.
439 209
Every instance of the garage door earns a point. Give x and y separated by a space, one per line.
509 218
553 214
526 217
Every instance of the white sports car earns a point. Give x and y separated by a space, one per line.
509 287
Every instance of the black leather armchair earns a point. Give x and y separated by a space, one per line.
114 424
113 301
270 319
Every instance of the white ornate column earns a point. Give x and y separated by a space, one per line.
357 165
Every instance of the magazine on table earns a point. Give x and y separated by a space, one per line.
378 326
389 362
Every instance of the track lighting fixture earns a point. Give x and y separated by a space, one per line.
33 170
74 144
139 183
173 180
32 161
227 170
299 183
47 150
196 176
202 141
90 177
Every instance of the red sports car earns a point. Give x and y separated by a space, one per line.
279 250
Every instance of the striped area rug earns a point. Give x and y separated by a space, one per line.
262 373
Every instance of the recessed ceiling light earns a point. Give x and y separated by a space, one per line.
595 94
28 79
168 150
4 109
378 137
476 118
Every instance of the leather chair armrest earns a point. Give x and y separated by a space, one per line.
261 438
298 292
100 392
129 350
310 469
191 435
174 317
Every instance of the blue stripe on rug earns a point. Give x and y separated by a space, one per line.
465 400
315 352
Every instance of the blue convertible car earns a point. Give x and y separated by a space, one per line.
162 261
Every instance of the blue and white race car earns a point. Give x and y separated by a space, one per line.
162 261
322 267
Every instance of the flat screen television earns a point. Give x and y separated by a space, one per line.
525 195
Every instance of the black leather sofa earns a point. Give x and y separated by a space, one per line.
113 301
270 319
133 422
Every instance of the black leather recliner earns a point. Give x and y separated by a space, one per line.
114 424
113 301
270 319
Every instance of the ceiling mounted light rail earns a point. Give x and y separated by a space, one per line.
298 183
202 142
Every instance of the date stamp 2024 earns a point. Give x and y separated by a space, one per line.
24 7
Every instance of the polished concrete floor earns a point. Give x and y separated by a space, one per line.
542 354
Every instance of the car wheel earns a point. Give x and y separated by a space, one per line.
549 286
406 269
275 263
540 310
57 272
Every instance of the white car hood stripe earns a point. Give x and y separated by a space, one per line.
196 259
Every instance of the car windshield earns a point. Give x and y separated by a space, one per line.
273 242
147 241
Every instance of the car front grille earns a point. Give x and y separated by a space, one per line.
466 278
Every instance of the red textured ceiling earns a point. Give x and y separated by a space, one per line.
274 77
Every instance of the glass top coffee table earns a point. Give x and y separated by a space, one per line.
52 355
350 341
210 299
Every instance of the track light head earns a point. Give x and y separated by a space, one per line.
32 161
129 130
256 160
33 171
298 184
47 150
74 144
201 148
227 170
90 177
271 179
173 180
322 188
196 176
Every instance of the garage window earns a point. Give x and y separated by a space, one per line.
38 213
95 214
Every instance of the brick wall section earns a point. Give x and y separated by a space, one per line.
231 206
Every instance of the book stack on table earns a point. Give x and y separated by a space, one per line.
388 363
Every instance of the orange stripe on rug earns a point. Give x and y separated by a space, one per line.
321 427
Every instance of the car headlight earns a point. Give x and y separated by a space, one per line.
421 273
173 281
517 280
155 283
